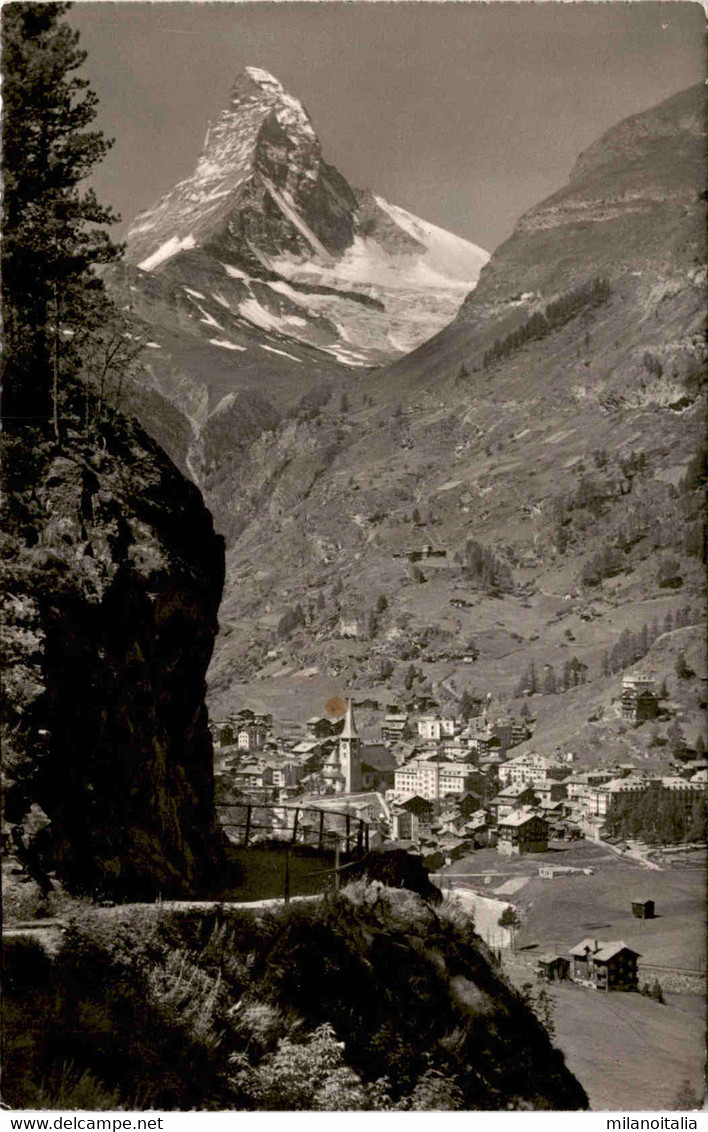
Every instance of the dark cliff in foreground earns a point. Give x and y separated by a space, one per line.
112 576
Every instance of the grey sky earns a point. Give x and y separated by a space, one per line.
464 113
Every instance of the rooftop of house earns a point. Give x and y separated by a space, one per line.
414 802
515 789
601 950
518 818
306 747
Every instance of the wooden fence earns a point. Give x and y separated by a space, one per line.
265 821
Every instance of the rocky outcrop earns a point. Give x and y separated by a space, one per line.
112 581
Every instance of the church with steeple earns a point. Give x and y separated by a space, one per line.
342 770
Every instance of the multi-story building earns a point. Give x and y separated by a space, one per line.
432 779
638 707
600 799
511 798
394 728
252 737
531 768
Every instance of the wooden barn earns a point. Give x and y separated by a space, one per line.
643 909
552 968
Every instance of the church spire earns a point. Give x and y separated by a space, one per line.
349 731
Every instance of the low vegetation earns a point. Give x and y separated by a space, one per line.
370 1000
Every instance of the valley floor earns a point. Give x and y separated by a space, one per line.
630 1052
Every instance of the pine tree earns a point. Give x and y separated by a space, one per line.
52 230
550 686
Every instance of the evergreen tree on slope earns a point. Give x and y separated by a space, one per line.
52 234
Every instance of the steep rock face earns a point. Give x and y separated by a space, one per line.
112 581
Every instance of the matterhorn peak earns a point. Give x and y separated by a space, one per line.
264 79
266 211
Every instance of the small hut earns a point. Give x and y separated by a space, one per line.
643 909
552 967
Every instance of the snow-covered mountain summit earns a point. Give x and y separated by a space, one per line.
289 246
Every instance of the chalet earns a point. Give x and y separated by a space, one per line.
319 727
549 790
254 777
638 707
394 728
503 730
643 909
378 766
421 807
552 968
512 798
477 829
522 832
604 966
404 825
251 738
453 848
489 744
309 747
223 734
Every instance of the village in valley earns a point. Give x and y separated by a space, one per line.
447 787
580 874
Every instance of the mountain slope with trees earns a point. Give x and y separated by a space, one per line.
575 456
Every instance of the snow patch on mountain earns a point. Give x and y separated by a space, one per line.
447 255
166 251
208 319
283 353
226 345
